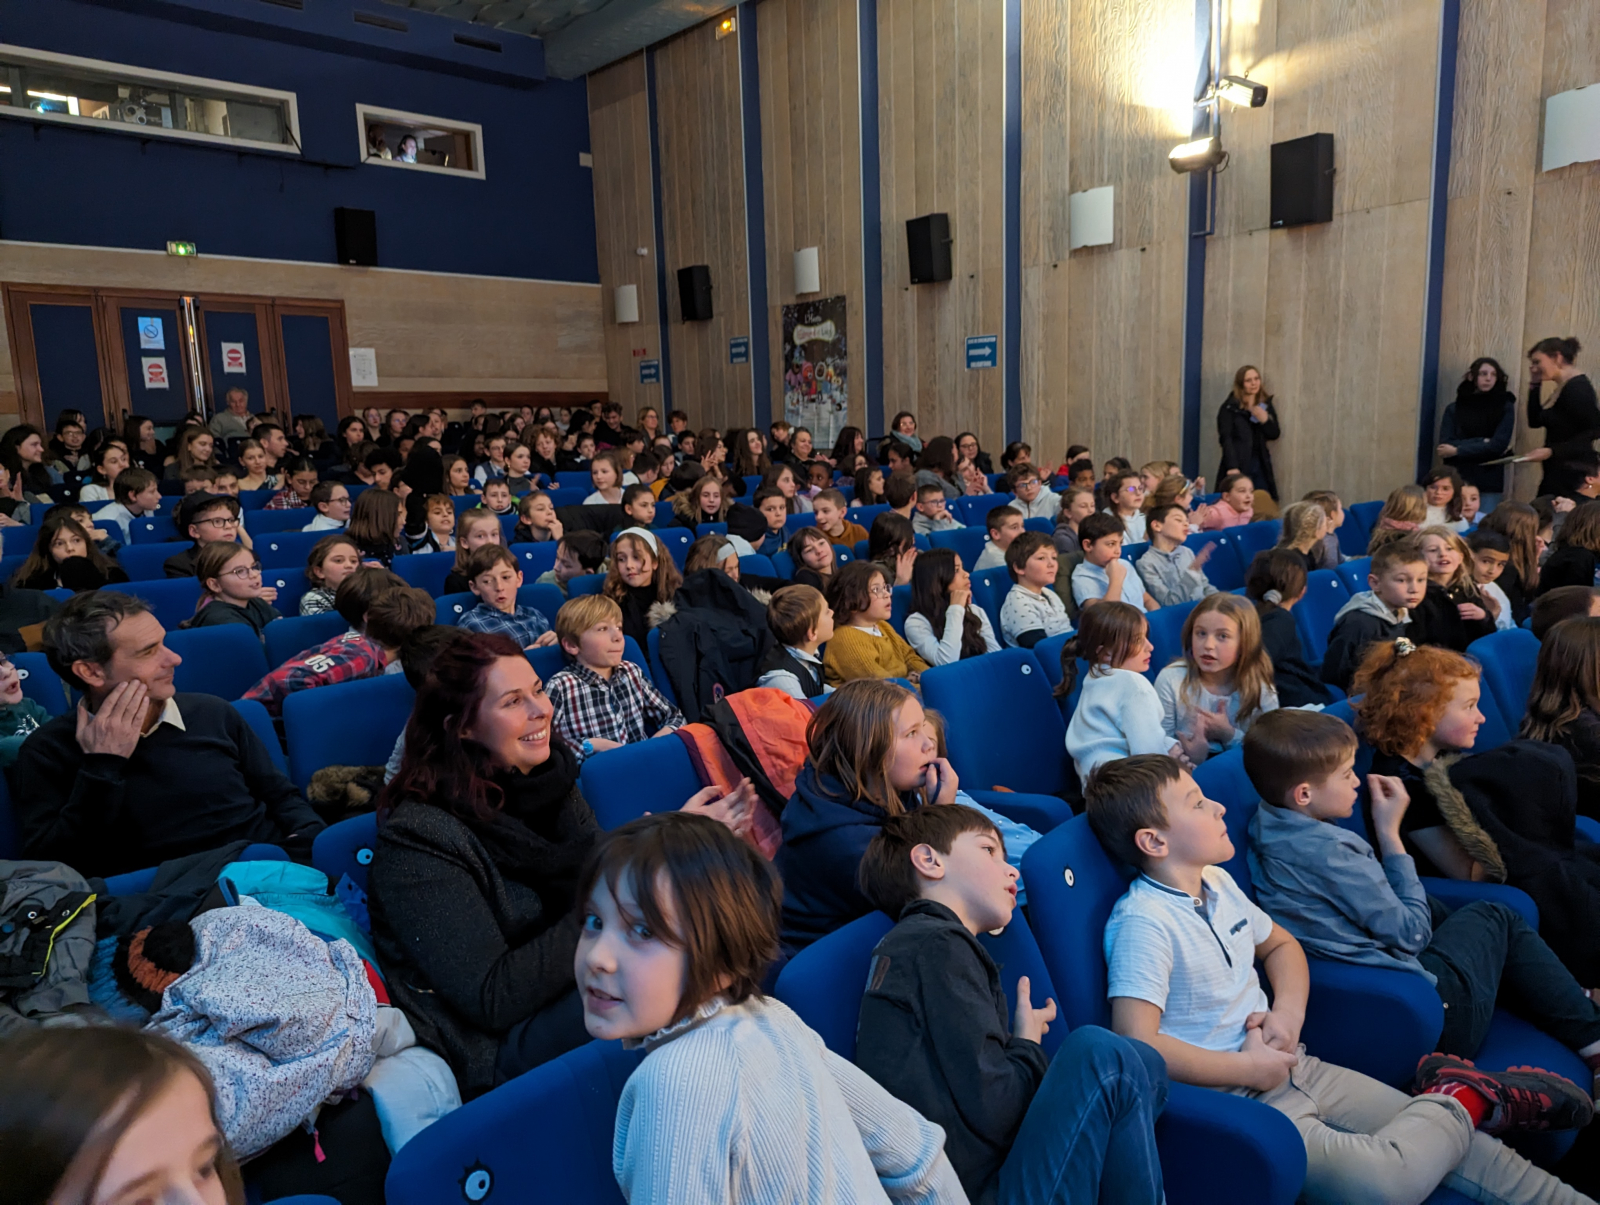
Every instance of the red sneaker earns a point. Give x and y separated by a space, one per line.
1520 1098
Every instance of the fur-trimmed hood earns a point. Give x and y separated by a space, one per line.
1480 846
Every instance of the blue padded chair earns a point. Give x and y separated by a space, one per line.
153 529
545 599
449 608
260 722
427 570
256 499
10 838
580 479
676 541
464 502
1166 634
658 671
647 776
1039 524
296 633
487 1146
172 599
1132 552
795 522
224 661
759 565
1365 515
508 527
550 660
1313 614
860 548
710 529
1356 531
1509 659
347 724
587 583
1223 569
535 559
135 881
1048 653
783 564
968 543
1039 812
1027 751
989 590
40 683
899 608
1255 537
864 515
276 522
346 849
286 549
144 561
972 511
11 563
1494 731
1354 573
290 584
751 484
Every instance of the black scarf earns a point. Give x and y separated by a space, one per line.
1478 414
543 831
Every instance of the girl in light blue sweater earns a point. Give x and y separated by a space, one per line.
736 1099
1118 712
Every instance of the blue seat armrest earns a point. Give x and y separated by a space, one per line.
1588 829
1252 1151
1373 1020
1453 894
1039 812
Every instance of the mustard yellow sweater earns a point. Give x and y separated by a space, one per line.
852 653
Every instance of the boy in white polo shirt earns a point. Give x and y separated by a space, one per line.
1181 948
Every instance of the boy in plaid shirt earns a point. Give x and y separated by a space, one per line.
493 575
603 702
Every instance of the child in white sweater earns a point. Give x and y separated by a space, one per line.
1118 713
736 1098
1224 682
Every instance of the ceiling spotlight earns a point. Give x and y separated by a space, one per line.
1242 92
726 26
1196 156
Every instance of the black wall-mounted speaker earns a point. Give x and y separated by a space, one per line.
928 248
355 234
1302 181
694 292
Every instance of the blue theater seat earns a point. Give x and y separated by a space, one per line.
1002 727
143 562
348 724
261 724
648 776
295 633
586 583
658 671
345 848
427 570
1224 570
1354 572
967 542
285 549
536 559
1166 635
153 529
1313 614
291 585
172 600
40 683
224 661
277 522
974 510
1256 537
864 515
1509 660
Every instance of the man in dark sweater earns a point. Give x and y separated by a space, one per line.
140 774
933 1031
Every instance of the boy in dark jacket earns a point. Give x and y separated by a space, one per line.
934 1031
1398 581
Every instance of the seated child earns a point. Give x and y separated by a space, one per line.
20 716
932 514
605 474
944 625
751 531
439 534
892 543
678 927
774 508
1442 490
900 494
1564 700
1471 504
302 480
870 755
205 519
1124 496
1103 575
1397 580
829 508
1235 508
137 493
638 506
578 553
495 466
1032 610
1304 526
198 479
782 478
602 701
497 497
1118 713
382 612
1181 948
231 589
1451 613
1564 602
642 576
519 469
1574 559
1491 552
1224 682
332 559
64 556
1019 838
1327 554
331 499
474 529
1029 497
1404 511
1171 571
864 645
495 577
1276 582
1077 504
536 520
1003 524
801 619
934 1030
1324 885
812 552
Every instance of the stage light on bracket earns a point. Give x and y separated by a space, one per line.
727 25
1247 94
1200 155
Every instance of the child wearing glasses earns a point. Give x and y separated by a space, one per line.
864 645
205 519
231 589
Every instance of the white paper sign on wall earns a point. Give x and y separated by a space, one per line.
1572 127
1090 216
155 372
233 357
152 335
363 366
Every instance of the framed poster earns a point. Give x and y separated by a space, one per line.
816 361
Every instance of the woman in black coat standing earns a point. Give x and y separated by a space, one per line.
1571 421
1246 423
1477 427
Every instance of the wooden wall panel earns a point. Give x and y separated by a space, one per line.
941 78
619 137
700 132
811 160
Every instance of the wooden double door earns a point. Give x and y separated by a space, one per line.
116 352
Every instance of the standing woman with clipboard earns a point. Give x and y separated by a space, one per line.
1571 421
1477 429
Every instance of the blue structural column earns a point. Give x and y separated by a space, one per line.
1438 209
755 216
655 207
1202 187
877 414
1012 337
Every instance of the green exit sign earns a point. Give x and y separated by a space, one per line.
177 248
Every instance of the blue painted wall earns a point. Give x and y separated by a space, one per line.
532 217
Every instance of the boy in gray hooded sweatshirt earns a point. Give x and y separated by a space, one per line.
1398 581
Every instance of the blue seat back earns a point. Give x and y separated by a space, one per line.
172 599
256 499
1255 537
295 633
40 683
968 543
783 564
290 584
427 570
710 529
153 529
1223 778
575 479
143 561
275 522
346 849
1039 524
550 660
224 661
11 562
585 583
1002 728
1354 573
989 590
1224 569
899 608
648 776
1494 730
658 671
759 565
1313 614
1166 634
796 521
488 1146
535 559
864 515
347 724
1132 552
286 549
449 608
545 599
261 724
676 540
974 510
465 502
1509 660
1355 532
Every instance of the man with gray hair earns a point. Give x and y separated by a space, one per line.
234 422
139 773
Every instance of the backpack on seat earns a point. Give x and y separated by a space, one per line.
713 641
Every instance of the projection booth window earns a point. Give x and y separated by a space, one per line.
391 138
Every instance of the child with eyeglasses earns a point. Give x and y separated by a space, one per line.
231 589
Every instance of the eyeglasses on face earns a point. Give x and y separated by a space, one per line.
243 571
228 522
881 591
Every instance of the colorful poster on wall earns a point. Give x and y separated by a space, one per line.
155 372
816 362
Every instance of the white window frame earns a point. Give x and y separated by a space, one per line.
370 113
149 75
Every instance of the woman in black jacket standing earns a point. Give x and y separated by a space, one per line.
1571 421
1478 427
1246 423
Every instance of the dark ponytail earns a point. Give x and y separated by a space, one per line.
1567 348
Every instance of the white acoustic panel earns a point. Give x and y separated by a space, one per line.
1572 127
807 271
627 303
1090 218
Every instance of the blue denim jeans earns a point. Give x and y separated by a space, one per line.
1089 1135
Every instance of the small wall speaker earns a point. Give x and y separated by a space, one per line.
1302 181
626 303
694 292
928 248
807 272
355 236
